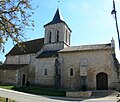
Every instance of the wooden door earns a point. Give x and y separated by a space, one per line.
102 81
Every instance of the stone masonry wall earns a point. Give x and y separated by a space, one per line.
97 61
41 65
18 59
8 76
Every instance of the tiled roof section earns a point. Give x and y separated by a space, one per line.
11 66
86 47
47 54
31 46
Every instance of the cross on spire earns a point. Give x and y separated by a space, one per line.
58 3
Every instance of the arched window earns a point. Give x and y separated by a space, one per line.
50 36
69 38
57 36
45 72
66 35
71 71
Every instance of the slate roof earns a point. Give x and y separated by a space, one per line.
11 66
86 47
57 19
31 46
47 54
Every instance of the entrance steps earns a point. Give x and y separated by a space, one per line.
103 93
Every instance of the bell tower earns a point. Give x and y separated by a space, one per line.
57 33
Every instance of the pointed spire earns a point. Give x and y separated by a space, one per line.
57 18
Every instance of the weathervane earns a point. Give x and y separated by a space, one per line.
113 12
58 3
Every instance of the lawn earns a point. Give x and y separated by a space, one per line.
6 87
2 99
36 90
40 91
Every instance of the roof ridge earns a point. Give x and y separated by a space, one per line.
87 47
91 45
33 40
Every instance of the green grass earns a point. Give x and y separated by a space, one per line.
36 90
2 99
41 91
6 87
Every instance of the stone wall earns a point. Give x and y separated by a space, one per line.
8 76
14 77
61 27
20 59
40 66
64 36
54 46
28 70
12 59
97 61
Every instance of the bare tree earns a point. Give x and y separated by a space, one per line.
15 18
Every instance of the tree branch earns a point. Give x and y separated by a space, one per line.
3 12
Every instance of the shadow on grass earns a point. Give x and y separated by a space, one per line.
40 91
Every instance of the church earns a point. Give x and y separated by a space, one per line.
52 62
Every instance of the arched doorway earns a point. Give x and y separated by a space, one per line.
23 79
102 81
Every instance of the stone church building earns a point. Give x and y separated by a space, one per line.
52 62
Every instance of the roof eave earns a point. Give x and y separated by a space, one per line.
84 50
57 23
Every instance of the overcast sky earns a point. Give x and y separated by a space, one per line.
91 21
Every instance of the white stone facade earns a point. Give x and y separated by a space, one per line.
63 36
97 61
20 59
41 65
58 64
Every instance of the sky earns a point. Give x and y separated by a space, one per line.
91 21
